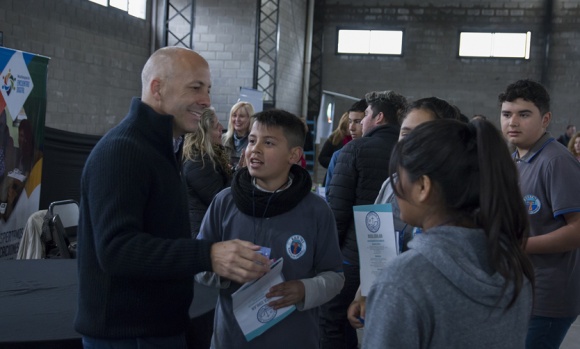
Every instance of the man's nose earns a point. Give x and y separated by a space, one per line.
204 100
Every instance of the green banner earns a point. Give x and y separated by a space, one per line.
23 107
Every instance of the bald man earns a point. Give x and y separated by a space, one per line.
135 255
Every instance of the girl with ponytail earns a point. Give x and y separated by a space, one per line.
466 281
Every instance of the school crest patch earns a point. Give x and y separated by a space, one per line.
296 246
532 203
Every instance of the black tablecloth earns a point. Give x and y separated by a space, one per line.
38 300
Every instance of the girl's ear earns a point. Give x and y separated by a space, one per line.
425 190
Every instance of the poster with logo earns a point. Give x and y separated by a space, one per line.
377 241
22 111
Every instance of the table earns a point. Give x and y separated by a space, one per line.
38 300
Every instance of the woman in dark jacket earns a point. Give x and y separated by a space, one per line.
206 167
338 138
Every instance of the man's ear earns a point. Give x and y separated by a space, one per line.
155 89
380 119
546 118
295 154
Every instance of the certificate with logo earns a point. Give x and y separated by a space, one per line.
377 241
251 305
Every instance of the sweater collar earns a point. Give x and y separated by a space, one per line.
156 127
382 128
262 204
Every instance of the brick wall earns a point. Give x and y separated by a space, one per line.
225 34
97 53
430 65
564 67
96 58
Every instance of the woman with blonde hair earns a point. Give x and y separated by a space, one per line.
206 167
338 138
236 138
574 145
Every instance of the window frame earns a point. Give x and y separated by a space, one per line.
108 5
362 28
526 57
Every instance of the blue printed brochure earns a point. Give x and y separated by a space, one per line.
251 305
376 239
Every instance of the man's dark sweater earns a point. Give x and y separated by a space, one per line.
135 256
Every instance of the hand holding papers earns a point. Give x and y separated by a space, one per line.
250 303
377 241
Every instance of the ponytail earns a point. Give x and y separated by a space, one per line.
478 182
502 213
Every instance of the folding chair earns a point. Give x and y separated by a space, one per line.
64 224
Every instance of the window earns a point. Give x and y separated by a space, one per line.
370 42
137 8
510 45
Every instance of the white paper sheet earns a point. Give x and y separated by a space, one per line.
377 241
251 305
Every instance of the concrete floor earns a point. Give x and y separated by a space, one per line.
572 340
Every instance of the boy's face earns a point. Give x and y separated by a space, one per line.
269 157
522 124
354 123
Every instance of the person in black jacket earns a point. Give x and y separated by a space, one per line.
362 167
205 168
354 118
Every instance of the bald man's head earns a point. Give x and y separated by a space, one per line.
165 62
176 81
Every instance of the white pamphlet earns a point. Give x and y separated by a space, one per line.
377 241
251 305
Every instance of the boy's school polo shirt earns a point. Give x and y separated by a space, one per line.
550 185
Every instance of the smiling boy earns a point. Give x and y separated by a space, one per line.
549 183
271 204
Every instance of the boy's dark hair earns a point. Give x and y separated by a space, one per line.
390 103
530 91
359 106
292 126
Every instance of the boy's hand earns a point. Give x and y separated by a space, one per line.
237 260
291 292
